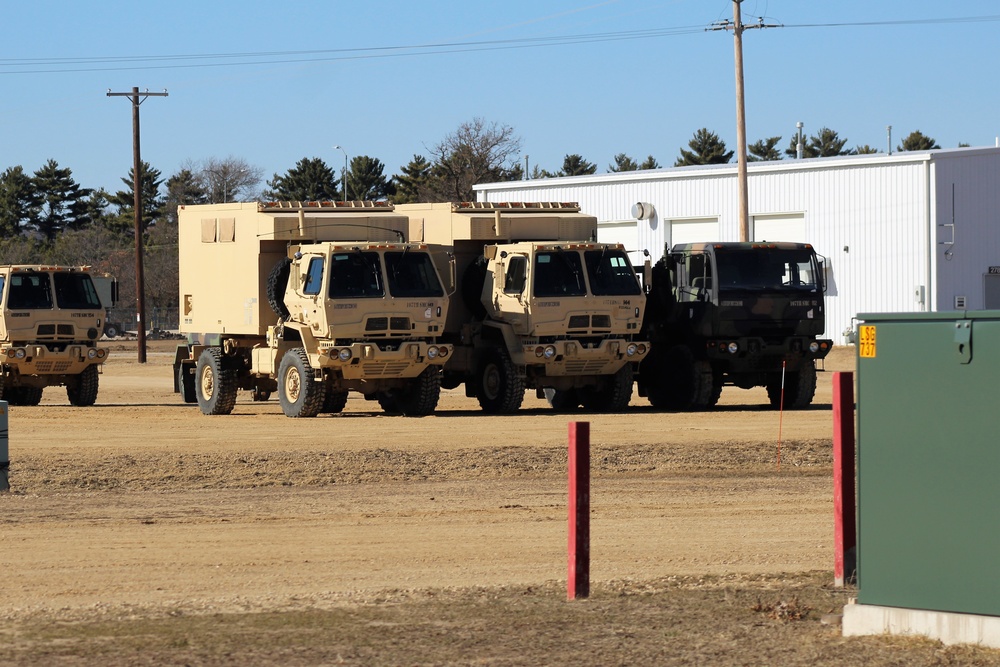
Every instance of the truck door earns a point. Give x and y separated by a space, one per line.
510 291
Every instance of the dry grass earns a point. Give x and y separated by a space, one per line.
676 621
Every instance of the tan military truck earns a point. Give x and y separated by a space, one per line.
311 300
543 305
51 320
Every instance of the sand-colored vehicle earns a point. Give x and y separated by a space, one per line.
50 322
543 306
310 300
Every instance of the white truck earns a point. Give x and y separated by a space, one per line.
543 305
50 324
311 300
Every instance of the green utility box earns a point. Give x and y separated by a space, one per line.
929 461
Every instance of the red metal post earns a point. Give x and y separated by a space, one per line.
844 505
578 582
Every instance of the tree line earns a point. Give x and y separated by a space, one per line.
47 217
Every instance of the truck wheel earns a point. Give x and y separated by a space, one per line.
277 281
387 400
501 389
614 396
30 395
110 330
82 391
681 382
421 394
334 401
299 393
185 382
562 400
800 387
215 385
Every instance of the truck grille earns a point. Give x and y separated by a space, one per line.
53 366
601 321
386 369
579 322
585 367
388 323
61 330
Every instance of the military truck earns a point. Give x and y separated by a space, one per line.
543 306
51 320
741 314
311 300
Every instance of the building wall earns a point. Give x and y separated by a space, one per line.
875 218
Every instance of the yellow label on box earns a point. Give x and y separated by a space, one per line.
866 341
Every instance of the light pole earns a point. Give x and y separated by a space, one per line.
344 181
223 175
799 148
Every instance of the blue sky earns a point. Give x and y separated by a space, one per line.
653 79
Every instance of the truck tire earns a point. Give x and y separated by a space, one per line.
299 393
82 391
800 387
185 383
421 394
681 382
500 389
30 395
111 330
334 401
387 400
215 385
614 396
562 400
277 282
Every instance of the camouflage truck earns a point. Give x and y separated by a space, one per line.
51 320
311 300
543 306
741 314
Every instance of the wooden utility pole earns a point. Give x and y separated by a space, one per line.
741 123
140 291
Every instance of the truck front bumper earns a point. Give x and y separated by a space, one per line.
570 358
40 360
366 361
754 350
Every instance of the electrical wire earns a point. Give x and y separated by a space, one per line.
242 59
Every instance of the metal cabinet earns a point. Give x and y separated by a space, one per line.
929 461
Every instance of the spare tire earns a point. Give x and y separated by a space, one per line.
277 282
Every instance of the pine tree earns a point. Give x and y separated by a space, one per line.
153 205
63 202
309 180
764 150
706 148
18 198
917 141
414 183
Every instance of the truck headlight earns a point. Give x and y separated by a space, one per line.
432 352
631 349
19 353
550 351
91 353
733 347
814 347
344 354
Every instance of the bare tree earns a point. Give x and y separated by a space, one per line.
477 152
231 179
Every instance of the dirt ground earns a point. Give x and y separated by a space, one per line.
142 508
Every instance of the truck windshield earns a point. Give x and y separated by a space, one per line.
355 275
559 273
767 268
29 291
412 274
610 272
76 291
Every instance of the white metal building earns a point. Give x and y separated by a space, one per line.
912 231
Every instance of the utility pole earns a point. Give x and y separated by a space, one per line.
140 282
741 123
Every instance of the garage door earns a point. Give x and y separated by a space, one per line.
694 230
784 227
625 232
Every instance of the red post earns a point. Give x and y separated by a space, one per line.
844 523
578 582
